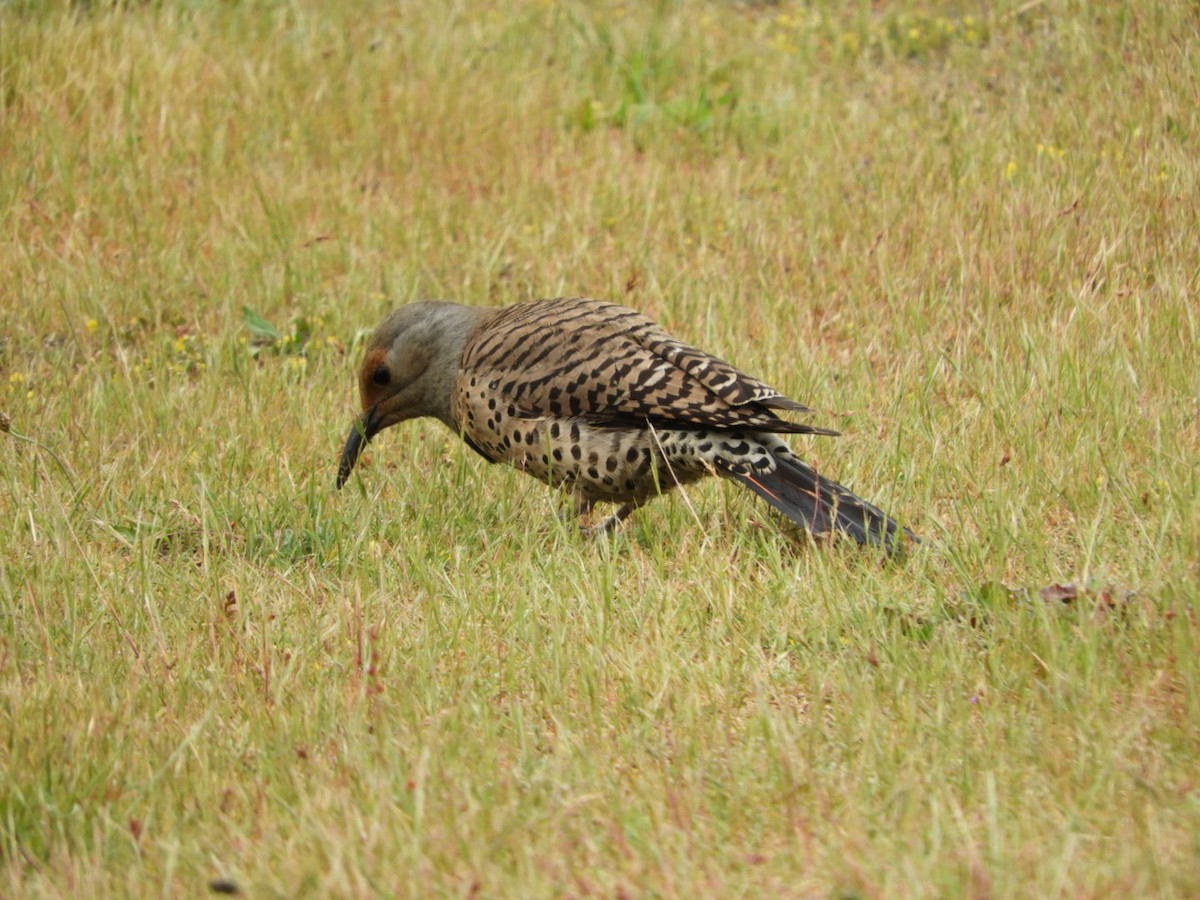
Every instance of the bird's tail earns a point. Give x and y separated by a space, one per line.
820 505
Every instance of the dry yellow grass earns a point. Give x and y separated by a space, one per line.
968 239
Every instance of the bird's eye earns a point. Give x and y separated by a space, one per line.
381 375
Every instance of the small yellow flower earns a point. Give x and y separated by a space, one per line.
782 44
16 378
91 325
1011 169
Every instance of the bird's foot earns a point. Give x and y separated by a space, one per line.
608 525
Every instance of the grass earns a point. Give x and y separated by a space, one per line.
968 239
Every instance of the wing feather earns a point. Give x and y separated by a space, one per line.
606 362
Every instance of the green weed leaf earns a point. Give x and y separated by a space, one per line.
262 330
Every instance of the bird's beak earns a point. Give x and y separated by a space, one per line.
360 434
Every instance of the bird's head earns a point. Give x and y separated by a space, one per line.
408 371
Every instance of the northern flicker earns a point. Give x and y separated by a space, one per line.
601 401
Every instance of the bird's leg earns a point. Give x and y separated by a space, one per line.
609 524
576 508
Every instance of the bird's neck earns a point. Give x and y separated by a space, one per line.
458 326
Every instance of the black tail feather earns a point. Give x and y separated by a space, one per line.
820 505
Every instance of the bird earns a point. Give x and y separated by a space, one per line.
600 401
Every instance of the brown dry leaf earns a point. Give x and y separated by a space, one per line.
1061 592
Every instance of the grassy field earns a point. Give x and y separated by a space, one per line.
968 238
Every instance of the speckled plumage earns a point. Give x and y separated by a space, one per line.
598 399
